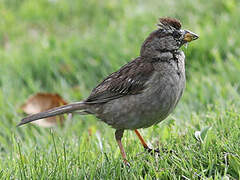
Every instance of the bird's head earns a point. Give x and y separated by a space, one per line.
168 37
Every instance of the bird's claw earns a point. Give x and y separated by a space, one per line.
152 151
126 163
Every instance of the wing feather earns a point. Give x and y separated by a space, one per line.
129 80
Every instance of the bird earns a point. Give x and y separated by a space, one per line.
142 92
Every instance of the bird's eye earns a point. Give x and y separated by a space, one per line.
176 35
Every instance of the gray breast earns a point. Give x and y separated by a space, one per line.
158 100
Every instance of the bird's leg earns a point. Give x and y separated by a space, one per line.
118 136
141 139
144 143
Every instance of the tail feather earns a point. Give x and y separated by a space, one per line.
53 112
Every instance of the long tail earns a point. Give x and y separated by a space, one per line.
53 112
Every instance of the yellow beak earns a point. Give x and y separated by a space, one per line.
190 36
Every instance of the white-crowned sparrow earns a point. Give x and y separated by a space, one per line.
144 91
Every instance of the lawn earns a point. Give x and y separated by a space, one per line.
67 47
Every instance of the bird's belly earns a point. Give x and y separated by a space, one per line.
147 108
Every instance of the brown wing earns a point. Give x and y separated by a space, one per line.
129 80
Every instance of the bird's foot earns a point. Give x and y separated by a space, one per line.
126 163
152 151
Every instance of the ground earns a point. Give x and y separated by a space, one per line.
67 47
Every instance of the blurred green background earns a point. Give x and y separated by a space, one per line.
67 47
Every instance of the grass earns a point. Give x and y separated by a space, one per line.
67 47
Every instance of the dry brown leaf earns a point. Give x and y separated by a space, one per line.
41 102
